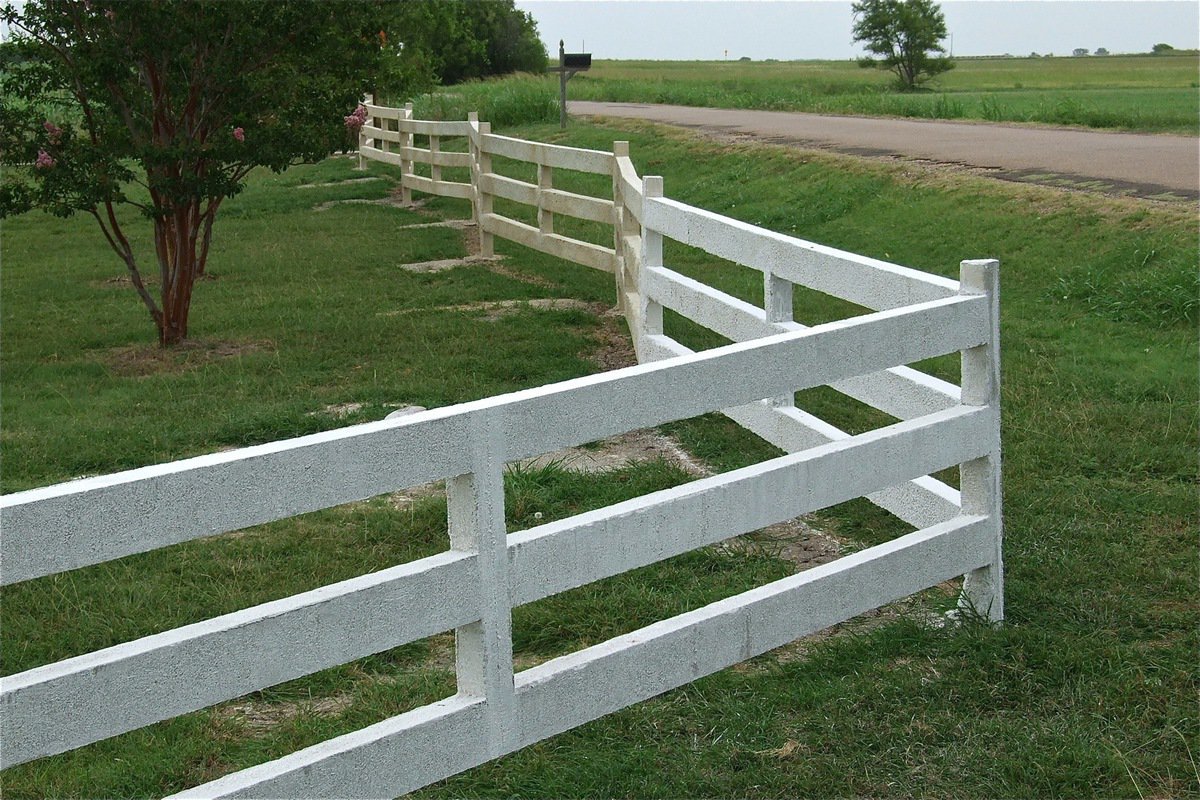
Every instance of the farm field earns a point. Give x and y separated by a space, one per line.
1139 93
310 324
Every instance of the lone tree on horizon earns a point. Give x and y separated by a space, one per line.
165 107
902 34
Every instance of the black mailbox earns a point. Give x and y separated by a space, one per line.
577 60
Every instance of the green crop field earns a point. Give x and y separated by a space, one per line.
309 323
1141 93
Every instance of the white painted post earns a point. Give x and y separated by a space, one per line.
777 303
406 164
385 124
473 149
435 169
620 150
983 589
650 312
483 649
487 247
545 217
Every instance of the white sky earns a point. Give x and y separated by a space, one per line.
800 29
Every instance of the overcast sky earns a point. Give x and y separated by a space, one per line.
799 29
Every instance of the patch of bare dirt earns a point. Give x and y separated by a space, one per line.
257 717
459 224
793 540
123 280
394 200
443 264
471 240
612 344
619 451
150 359
609 454
406 499
495 265
338 183
337 410
493 310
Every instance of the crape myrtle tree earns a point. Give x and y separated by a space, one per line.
903 36
166 106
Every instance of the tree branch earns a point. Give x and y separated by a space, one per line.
120 245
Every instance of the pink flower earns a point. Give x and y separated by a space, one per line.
110 14
53 132
44 160
239 134
356 119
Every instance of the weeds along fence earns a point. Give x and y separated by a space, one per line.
472 587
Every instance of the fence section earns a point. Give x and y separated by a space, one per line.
473 586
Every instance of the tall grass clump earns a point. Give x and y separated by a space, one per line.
1148 284
504 102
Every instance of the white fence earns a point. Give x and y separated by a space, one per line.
472 587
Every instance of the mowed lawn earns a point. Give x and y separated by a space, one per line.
1088 689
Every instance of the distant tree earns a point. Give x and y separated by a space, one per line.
451 41
165 107
1034 54
1100 51
1079 51
906 37
1160 48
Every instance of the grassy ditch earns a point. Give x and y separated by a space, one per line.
310 324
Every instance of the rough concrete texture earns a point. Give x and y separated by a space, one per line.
472 587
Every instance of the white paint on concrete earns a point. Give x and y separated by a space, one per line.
472 587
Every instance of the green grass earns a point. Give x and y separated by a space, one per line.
505 102
1139 93
1089 689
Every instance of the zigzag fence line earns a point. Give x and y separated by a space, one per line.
472 586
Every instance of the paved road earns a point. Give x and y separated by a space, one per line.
1143 164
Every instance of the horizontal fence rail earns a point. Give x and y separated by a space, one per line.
473 586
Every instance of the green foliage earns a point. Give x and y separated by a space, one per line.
167 106
1160 48
902 33
451 41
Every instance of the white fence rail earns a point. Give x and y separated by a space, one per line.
473 586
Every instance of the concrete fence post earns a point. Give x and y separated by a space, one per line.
777 305
983 589
435 169
473 150
385 125
545 217
620 150
483 649
487 247
406 164
650 312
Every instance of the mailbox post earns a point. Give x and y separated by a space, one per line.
568 65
